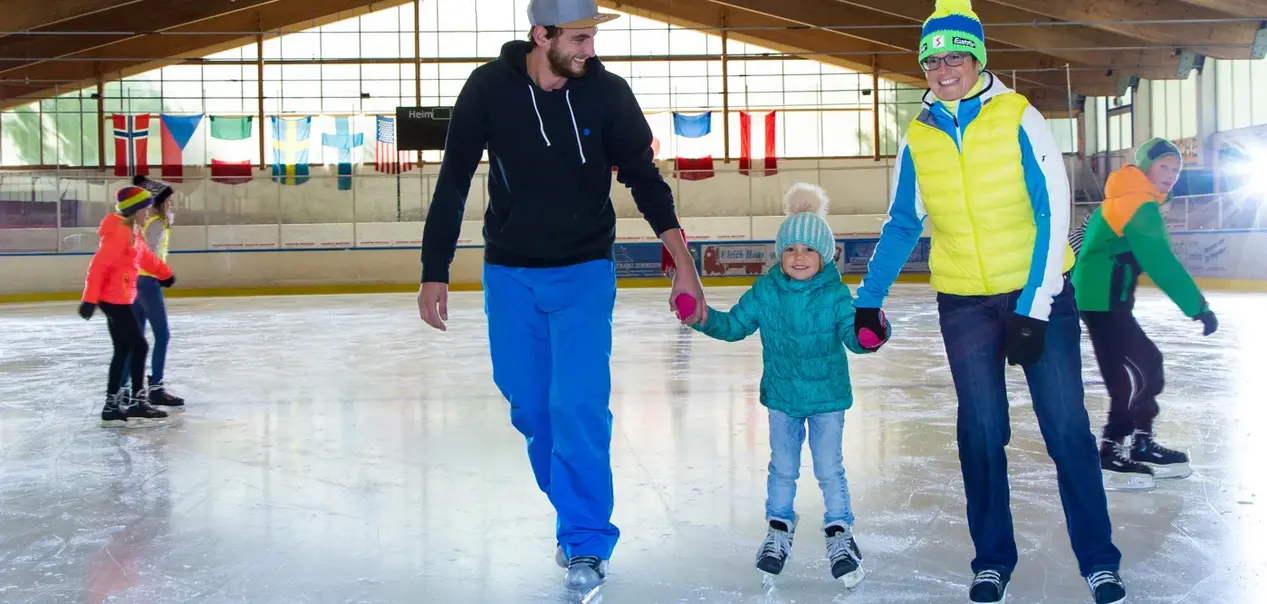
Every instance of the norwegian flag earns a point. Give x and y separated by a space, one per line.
131 144
386 157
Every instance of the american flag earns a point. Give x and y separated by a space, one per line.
386 157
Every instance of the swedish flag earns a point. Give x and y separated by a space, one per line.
290 149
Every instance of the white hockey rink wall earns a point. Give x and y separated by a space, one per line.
384 257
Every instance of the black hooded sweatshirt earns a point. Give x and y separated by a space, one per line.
551 156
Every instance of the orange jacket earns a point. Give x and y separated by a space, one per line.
112 272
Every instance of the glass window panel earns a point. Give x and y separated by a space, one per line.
1242 89
1187 125
457 45
1223 95
686 42
801 134
1258 92
383 45
339 46
304 46
841 135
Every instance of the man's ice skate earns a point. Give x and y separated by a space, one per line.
844 555
586 575
160 397
1165 463
1120 472
989 587
112 415
1106 587
776 547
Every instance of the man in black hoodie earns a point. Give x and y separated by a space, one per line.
555 123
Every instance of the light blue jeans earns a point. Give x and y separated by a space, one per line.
787 437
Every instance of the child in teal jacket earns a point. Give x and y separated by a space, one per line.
806 317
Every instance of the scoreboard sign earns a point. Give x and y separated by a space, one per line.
422 128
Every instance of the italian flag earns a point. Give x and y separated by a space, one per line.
231 149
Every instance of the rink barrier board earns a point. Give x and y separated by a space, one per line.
1214 257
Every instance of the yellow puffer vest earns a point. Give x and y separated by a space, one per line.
983 222
161 252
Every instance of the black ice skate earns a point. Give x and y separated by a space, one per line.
1106 587
586 574
143 415
1120 472
844 555
777 546
160 397
989 587
112 416
1165 463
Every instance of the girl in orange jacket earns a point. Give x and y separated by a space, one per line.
111 285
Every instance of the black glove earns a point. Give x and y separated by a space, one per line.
1025 337
1207 318
871 319
86 309
168 282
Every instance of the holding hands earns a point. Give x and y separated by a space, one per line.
871 327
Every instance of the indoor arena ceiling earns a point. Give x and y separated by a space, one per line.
1042 46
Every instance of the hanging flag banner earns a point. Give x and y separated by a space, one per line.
290 149
231 149
344 141
693 126
131 144
177 133
387 158
767 163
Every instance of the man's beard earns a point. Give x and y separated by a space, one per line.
562 66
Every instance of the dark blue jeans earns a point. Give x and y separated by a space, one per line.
150 307
974 329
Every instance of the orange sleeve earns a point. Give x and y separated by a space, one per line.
150 263
111 251
1118 211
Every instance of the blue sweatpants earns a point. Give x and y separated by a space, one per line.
550 336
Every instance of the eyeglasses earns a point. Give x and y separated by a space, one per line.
953 59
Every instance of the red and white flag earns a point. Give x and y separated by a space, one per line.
131 144
763 162
386 157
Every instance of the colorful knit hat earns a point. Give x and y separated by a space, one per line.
953 27
132 199
806 222
1155 149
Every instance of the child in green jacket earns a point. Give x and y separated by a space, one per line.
1126 238
806 317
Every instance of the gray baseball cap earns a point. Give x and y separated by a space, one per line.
568 14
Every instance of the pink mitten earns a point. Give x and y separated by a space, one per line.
868 338
685 304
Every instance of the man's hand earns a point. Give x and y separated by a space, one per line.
433 304
686 281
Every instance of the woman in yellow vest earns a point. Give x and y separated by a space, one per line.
980 162
150 306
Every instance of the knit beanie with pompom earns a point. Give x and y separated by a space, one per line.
806 221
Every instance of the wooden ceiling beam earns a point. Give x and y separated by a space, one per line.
268 17
22 15
818 44
164 15
1090 43
1217 40
1239 8
888 30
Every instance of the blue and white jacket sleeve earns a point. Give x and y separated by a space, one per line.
898 236
1048 186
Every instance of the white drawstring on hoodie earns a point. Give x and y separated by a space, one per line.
567 96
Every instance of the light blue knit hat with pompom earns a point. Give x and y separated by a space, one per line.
806 221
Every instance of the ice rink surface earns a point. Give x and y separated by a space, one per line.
336 450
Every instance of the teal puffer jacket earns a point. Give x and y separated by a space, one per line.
805 328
